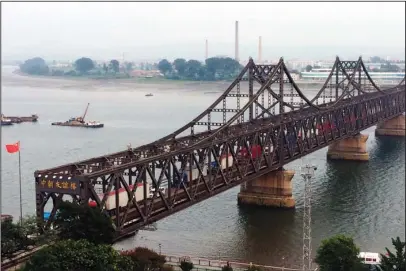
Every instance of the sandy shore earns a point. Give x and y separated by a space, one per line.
11 77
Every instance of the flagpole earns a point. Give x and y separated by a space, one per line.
19 174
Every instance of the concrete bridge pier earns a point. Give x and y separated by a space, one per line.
392 127
351 148
273 189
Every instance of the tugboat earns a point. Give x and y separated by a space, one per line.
149 95
5 121
80 122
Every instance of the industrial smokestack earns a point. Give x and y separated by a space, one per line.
207 50
237 57
260 49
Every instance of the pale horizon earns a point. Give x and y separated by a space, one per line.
152 31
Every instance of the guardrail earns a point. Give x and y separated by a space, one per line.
202 264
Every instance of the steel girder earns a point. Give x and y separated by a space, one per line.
281 143
349 99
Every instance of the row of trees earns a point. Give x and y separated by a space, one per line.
215 68
85 64
82 66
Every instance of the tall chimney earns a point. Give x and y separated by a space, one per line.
207 50
237 57
260 50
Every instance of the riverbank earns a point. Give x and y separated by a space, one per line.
133 79
12 77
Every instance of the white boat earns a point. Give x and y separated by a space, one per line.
5 121
94 124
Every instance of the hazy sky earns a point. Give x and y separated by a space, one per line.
169 30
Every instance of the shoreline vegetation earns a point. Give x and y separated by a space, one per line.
141 80
181 71
216 72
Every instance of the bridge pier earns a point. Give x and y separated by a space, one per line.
273 189
352 148
392 127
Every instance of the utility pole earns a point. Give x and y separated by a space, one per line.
307 173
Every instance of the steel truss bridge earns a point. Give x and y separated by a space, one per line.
262 107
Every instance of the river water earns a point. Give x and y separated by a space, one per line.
364 200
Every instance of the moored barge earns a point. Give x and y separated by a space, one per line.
32 118
80 122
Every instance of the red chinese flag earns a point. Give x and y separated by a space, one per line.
12 148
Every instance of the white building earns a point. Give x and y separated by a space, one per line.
381 77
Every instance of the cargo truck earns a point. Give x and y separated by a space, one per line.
123 197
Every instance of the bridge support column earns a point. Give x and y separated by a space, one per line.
352 148
392 127
273 189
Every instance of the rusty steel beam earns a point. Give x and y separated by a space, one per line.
183 164
209 181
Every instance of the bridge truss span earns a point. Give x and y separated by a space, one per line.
275 124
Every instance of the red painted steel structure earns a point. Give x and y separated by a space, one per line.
273 114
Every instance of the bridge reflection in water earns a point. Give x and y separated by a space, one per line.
268 126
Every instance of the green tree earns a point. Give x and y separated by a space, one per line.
338 253
35 66
78 255
180 65
309 68
192 68
16 236
84 64
77 222
105 68
145 259
164 66
395 261
129 66
186 265
222 67
114 65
